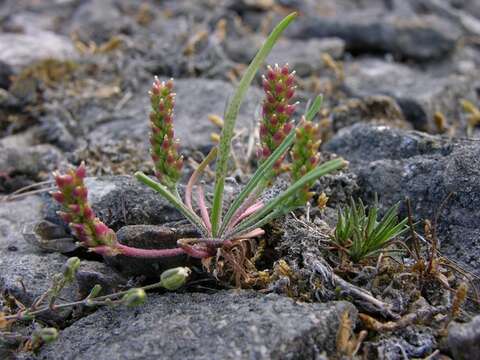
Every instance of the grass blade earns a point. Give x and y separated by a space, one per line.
231 116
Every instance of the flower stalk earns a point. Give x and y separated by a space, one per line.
277 110
164 146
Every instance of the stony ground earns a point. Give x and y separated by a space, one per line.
74 77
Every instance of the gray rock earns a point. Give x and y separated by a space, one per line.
98 20
147 237
120 201
19 50
303 56
25 165
225 325
395 164
123 200
48 236
196 99
13 216
419 94
415 37
414 341
464 339
377 109
91 273
24 272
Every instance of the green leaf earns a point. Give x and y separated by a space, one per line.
267 165
174 201
231 116
284 197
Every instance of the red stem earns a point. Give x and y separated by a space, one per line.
136 252
203 209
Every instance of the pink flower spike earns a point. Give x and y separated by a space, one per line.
78 228
58 196
101 229
63 180
88 212
290 109
81 171
65 216
287 128
80 192
74 208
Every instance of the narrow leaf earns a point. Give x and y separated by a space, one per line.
231 116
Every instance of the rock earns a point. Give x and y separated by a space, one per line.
6 72
146 237
24 272
419 94
25 165
419 38
98 20
464 339
305 57
120 201
19 50
27 276
413 341
48 236
377 109
196 99
91 273
224 325
395 164
13 216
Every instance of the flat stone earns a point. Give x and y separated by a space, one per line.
419 38
91 273
196 99
19 50
26 165
25 272
464 339
303 56
224 325
418 93
376 109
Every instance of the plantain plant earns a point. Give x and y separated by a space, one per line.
249 211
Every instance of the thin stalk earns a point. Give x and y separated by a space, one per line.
231 116
196 174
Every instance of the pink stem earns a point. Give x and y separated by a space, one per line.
196 174
195 253
203 209
246 204
188 191
249 211
136 252
254 233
